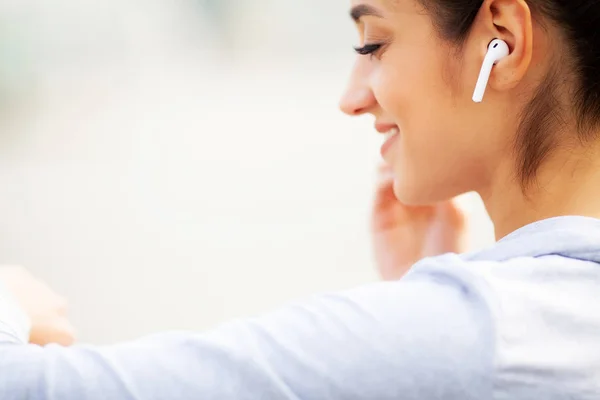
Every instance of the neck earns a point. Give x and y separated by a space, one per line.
567 184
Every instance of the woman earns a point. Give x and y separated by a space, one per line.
520 320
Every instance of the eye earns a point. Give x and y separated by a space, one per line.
368 49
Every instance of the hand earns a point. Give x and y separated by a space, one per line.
46 310
403 235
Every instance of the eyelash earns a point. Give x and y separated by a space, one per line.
368 49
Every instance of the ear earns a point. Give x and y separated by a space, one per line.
511 21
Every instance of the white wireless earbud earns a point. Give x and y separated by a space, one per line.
497 50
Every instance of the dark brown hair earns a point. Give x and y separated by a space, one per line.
579 21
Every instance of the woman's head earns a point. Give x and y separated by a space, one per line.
423 62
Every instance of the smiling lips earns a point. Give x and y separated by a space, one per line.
391 133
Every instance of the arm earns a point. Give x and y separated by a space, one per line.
422 338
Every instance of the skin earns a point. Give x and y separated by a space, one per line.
448 145
46 310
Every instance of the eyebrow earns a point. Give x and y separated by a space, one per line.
363 10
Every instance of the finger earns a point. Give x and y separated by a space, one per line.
65 333
56 331
384 193
453 212
384 178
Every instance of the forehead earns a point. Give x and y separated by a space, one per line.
380 4
387 6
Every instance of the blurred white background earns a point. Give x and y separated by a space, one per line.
170 164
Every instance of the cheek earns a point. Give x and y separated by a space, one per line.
418 97
428 158
416 81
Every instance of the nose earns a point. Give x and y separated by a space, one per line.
358 97
357 101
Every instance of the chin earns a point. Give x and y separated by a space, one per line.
408 195
415 195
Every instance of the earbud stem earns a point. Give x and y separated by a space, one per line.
482 82
497 50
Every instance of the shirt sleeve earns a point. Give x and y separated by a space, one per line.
425 337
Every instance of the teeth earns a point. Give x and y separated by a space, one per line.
392 132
